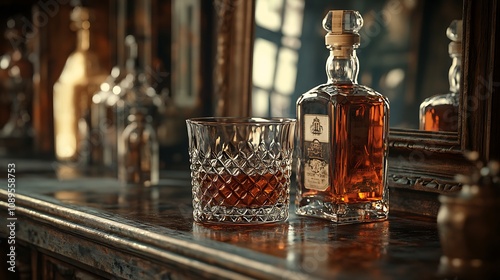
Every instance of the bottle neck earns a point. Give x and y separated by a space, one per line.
342 67
83 40
454 73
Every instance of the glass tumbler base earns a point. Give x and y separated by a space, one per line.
363 212
238 215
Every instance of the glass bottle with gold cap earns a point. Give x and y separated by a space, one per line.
80 78
440 112
342 136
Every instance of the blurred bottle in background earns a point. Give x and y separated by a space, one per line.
16 71
80 78
137 107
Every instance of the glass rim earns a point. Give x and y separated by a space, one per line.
239 120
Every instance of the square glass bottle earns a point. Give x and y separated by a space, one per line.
342 136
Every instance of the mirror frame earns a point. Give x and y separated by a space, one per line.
232 94
423 165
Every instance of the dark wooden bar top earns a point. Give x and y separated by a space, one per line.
108 231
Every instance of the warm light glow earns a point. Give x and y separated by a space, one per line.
66 144
65 124
260 103
96 99
105 87
117 90
4 62
394 78
15 71
292 22
268 14
286 72
275 63
264 63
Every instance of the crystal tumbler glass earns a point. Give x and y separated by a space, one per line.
240 169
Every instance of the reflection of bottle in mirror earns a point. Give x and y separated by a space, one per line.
440 112
342 136
139 158
80 78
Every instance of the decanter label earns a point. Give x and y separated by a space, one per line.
316 133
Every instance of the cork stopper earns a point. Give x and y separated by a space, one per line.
455 33
342 27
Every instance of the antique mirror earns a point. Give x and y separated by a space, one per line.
410 64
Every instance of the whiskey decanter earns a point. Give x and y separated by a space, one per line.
342 136
440 112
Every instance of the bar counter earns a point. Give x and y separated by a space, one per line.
93 226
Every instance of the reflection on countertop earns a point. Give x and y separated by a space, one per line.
160 218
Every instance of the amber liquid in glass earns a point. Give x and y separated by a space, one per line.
242 190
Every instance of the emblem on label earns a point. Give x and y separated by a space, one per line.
316 171
315 150
316 127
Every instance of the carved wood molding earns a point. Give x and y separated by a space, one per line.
420 145
424 184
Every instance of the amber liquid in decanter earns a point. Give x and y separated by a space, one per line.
358 149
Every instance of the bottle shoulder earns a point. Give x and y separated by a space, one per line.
345 93
360 94
321 93
451 98
82 65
